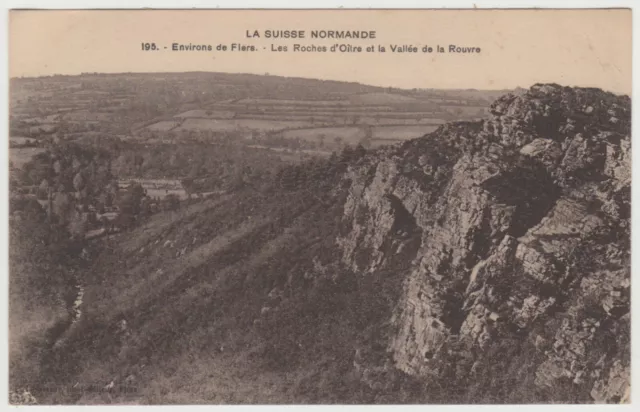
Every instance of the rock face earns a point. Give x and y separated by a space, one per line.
516 226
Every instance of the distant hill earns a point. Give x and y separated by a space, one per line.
209 107
273 87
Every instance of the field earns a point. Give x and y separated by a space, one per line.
297 103
207 114
304 115
322 125
380 98
227 125
402 132
347 134
335 137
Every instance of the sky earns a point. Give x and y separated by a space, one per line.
590 48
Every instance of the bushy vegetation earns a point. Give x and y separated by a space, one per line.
43 261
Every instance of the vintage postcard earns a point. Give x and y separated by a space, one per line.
319 206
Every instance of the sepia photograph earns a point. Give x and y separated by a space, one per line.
319 207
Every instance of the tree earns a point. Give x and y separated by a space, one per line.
78 226
359 152
145 206
171 202
129 205
62 207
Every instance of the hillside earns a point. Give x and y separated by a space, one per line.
303 116
486 262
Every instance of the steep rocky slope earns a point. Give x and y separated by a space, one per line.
484 262
523 226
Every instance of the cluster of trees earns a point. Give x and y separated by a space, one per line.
202 167
70 168
73 182
134 205
68 179
73 187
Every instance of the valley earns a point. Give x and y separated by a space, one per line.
211 238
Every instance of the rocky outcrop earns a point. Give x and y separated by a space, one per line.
520 226
615 387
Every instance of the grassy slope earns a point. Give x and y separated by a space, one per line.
192 286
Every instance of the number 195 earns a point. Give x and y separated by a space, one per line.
149 46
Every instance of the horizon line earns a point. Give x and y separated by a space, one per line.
503 89
262 75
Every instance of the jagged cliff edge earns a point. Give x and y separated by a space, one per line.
517 227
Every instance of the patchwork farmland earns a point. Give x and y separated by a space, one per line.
371 119
291 119
304 116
